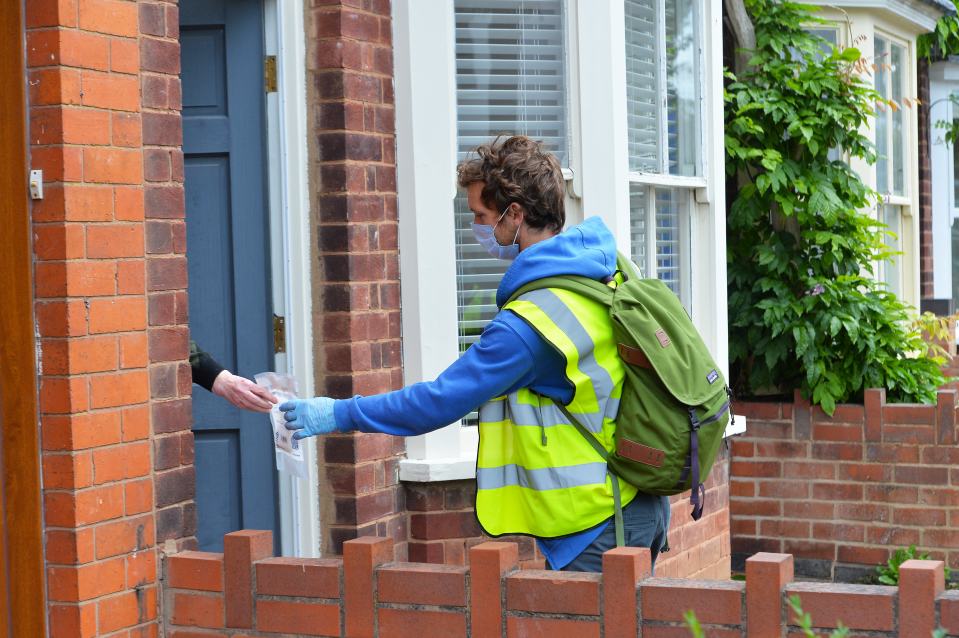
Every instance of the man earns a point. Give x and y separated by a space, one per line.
536 474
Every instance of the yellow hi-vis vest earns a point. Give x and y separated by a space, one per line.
535 473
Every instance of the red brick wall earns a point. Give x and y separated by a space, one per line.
840 493
356 281
364 593
166 271
443 525
86 134
443 528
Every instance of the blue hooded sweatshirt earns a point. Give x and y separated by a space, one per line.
508 356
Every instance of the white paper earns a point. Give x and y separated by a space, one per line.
289 454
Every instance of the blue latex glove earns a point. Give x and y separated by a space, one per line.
310 417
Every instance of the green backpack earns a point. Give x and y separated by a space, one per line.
675 403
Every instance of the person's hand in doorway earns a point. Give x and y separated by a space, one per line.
310 417
242 392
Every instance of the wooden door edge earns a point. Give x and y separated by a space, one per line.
19 425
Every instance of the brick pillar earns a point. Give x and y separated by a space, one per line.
925 185
166 271
91 308
356 289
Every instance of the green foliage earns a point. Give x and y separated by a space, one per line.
938 45
889 573
804 310
692 623
943 41
801 619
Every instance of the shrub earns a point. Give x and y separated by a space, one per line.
804 309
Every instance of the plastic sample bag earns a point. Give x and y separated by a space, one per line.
289 454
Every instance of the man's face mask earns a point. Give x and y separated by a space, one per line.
485 235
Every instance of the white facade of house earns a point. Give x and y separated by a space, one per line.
943 84
628 95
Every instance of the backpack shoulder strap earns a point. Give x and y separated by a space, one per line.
590 288
614 480
626 266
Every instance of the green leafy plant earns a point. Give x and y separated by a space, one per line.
944 39
888 574
692 623
804 309
939 45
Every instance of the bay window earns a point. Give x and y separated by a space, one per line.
621 91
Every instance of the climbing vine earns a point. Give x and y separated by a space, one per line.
805 309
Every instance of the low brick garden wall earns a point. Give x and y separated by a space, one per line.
443 528
246 592
841 492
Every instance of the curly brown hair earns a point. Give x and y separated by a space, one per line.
517 169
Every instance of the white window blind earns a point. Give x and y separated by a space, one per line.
659 234
511 79
891 132
664 109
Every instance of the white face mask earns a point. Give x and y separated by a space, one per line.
484 234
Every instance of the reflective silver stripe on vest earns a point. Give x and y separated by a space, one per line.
547 478
521 414
564 318
524 414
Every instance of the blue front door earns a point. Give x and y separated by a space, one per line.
228 254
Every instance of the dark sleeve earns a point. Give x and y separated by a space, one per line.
205 369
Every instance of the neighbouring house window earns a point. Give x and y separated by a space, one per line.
955 261
511 78
828 34
891 130
955 169
890 270
831 37
664 119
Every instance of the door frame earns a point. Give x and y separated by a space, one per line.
23 605
291 235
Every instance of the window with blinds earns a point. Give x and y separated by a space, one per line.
664 106
659 234
511 79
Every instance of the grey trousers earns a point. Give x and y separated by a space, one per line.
645 523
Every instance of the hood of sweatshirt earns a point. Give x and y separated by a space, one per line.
588 250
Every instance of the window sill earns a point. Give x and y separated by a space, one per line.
736 426
432 470
464 467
